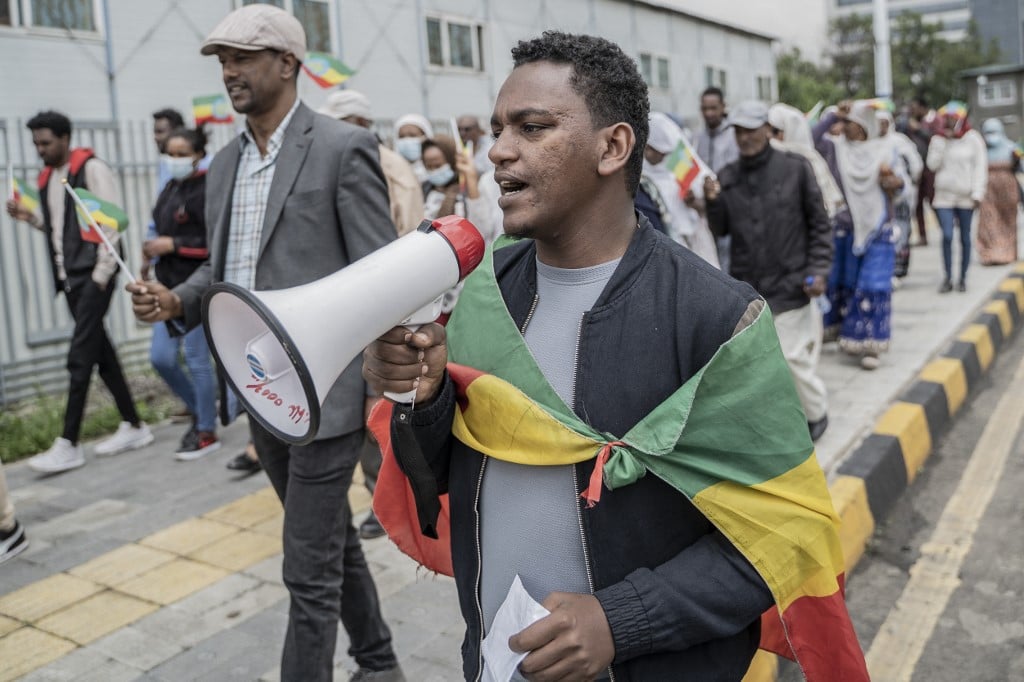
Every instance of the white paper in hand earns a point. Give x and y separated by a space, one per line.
518 611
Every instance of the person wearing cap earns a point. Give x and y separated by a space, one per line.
716 145
871 175
404 191
409 132
296 197
769 202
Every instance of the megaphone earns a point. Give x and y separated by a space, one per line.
281 351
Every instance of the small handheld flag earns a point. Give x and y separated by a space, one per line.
93 212
814 114
24 195
325 69
685 165
211 109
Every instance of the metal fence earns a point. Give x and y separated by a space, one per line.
36 325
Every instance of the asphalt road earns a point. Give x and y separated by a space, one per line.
939 595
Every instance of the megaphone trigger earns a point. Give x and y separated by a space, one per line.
424 315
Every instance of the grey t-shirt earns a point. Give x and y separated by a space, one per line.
529 514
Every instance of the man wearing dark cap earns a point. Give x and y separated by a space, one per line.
770 204
295 198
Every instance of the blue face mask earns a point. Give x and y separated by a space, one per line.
440 177
409 147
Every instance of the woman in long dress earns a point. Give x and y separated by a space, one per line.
870 175
997 222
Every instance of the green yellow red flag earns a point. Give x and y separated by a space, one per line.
756 479
103 213
326 69
685 165
211 109
24 194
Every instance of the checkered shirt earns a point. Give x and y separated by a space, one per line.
249 204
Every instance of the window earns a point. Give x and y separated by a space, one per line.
72 15
714 77
997 93
764 88
654 70
454 44
314 15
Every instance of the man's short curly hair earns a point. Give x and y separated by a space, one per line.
605 77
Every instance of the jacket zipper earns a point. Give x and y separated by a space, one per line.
529 315
479 572
575 479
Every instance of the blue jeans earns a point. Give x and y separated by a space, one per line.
198 388
963 218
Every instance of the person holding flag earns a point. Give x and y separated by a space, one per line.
607 420
84 270
671 172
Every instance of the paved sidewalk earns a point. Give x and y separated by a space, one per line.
142 567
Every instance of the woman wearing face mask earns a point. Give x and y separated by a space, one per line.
180 245
409 133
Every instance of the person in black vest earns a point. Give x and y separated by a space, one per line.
85 273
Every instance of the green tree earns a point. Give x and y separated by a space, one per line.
802 83
853 55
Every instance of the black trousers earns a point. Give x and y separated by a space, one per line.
91 347
325 570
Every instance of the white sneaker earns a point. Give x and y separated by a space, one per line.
127 437
62 456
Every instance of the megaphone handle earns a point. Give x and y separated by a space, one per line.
408 397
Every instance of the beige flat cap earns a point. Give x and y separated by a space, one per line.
258 27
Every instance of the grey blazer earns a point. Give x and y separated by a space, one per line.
328 206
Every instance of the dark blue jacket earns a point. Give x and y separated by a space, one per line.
680 599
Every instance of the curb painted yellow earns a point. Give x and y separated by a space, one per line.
908 423
1001 309
949 372
978 335
1015 286
856 523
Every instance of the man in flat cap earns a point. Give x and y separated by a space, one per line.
295 198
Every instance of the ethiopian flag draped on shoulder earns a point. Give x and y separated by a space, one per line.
733 439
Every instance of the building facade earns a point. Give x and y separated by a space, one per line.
954 15
1003 22
109 63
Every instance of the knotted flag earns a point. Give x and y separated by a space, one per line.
327 70
211 109
24 195
103 213
756 479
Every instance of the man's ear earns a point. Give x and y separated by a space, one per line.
617 142
290 68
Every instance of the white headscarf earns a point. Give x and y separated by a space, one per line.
687 227
797 139
415 119
860 165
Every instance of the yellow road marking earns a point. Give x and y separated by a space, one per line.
173 581
902 638
239 551
8 625
246 511
122 564
188 536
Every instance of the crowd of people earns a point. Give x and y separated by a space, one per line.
804 223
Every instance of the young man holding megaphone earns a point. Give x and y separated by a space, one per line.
295 198
607 421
